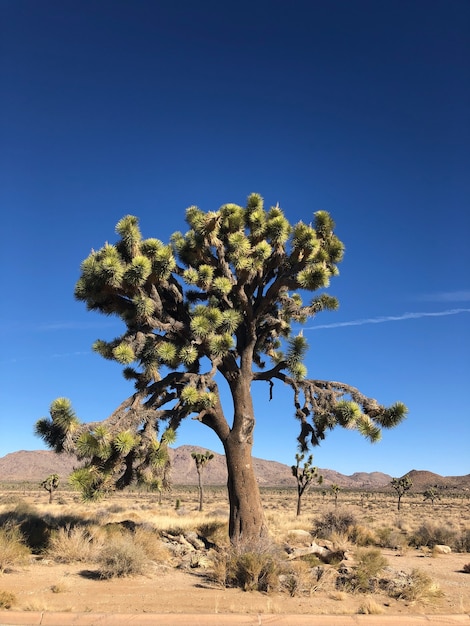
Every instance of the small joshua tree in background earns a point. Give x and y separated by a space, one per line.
431 494
304 476
335 489
201 459
401 486
51 484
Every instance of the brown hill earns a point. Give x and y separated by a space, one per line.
423 479
32 466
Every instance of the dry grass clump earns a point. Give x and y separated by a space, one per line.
251 568
341 522
432 533
362 576
122 556
388 537
149 540
74 544
417 586
7 599
13 550
363 536
370 607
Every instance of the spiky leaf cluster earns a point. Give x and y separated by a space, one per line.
57 429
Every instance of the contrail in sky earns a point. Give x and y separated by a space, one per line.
389 318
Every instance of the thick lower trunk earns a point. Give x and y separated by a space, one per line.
201 493
246 522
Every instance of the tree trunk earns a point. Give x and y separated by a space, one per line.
300 492
246 521
201 493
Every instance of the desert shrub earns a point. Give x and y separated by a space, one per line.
7 599
389 537
462 543
33 528
13 550
334 521
149 540
299 579
68 545
120 557
215 532
251 568
415 586
370 607
430 534
368 563
363 536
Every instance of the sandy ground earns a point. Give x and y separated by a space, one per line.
46 586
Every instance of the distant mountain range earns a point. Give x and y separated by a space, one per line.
35 465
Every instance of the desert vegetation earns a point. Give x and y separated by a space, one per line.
349 553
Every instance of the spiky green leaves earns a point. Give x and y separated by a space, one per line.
348 414
128 229
138 271
297 349
123 353
393 415
87 480
197 400
62 423
315 276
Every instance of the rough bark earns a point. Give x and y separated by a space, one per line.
246 522
201 492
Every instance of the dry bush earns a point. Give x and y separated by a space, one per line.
462 543
430 534
251 568
33 528
149 540
363 536
390 538
299 580
362 576
77 544
13 550
120 557
215 532
334 522
370 607
7 599
417 586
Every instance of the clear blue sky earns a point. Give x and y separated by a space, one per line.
357 107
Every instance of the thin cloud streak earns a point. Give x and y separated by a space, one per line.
445 296
389 318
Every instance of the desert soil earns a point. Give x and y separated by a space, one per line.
47 586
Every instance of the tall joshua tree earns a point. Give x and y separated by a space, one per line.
401 486
214 307
304 476
51 484
201 459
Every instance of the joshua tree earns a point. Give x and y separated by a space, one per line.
216 307
201 459
50 484
335 489
431 494
401 486
304 476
